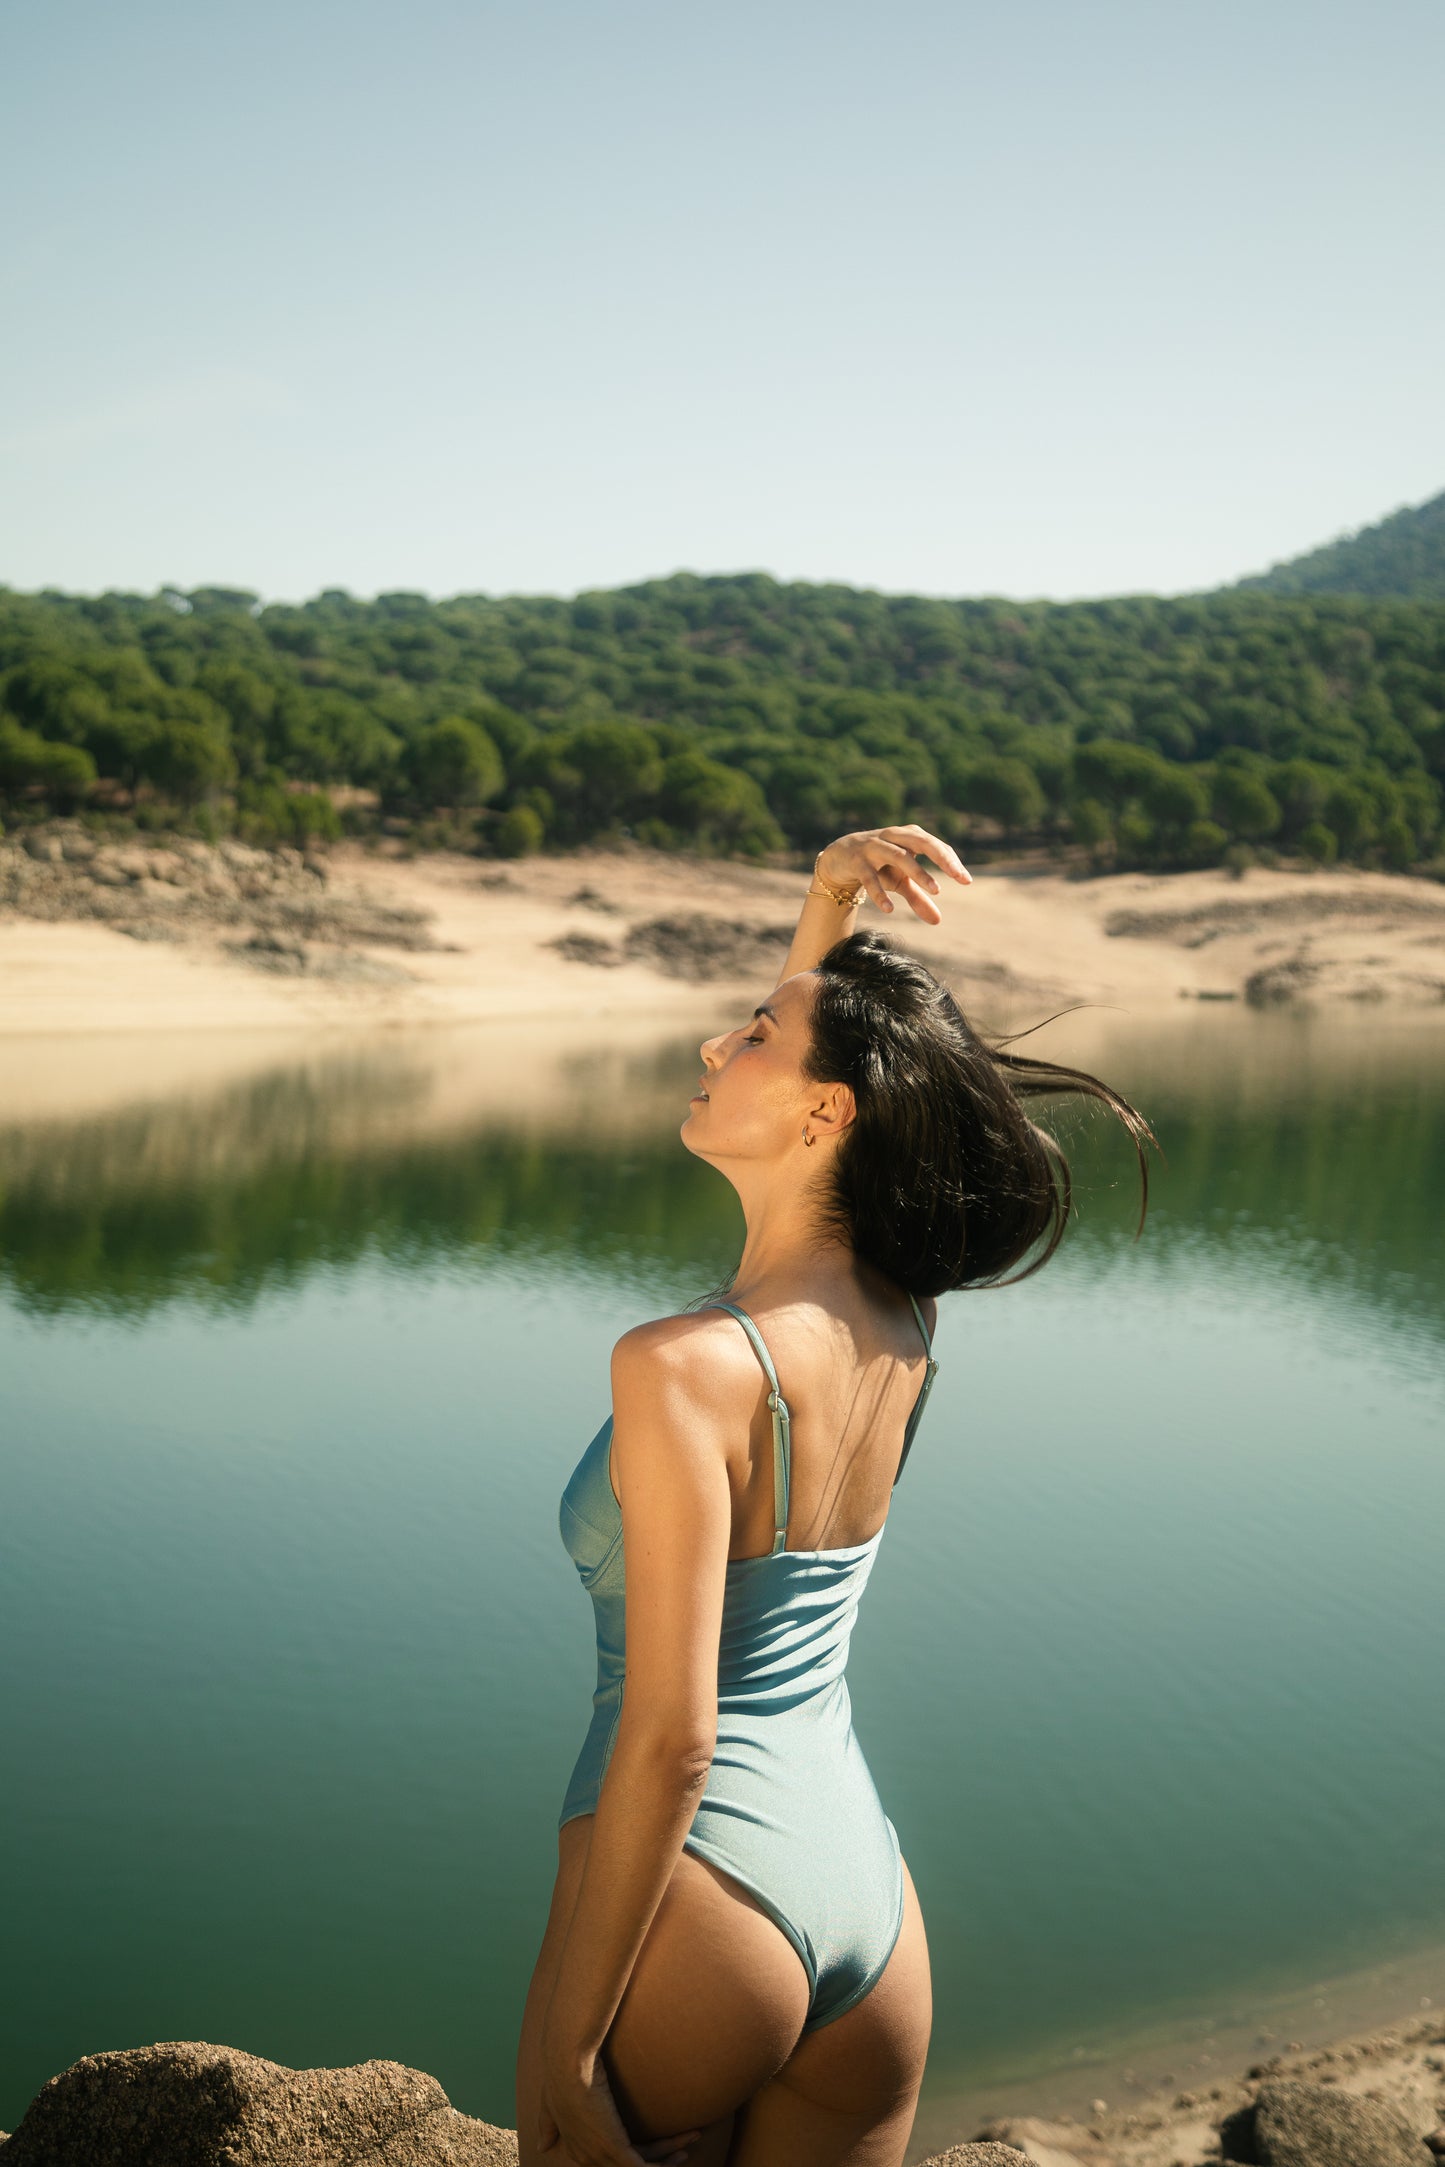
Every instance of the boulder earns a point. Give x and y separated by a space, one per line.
1318 2125
184 2103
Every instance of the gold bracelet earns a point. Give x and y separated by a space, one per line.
845 898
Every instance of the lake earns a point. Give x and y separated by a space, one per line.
296 1357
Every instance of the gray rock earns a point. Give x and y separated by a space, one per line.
693 945
1318 2125
184 2103
1275 984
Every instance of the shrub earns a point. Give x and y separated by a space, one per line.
1091 823
1204 843
1397 844
1135 837
64 772
1244 805
519 832
454 762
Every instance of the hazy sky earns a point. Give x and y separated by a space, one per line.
1027 298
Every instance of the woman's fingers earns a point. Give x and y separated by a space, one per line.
670 2149
872 878
921 903
915 838
918 899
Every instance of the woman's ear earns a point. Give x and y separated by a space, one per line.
832 1110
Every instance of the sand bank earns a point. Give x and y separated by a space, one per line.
1155 2095
189 939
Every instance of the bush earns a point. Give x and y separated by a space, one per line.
1350 814
64 772
1243 805
1397 844
656 833
454 762
266 813
1091 823
1204 843
1320 843
1135 838
519 832
1004 790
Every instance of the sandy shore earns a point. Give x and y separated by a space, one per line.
1154 2096
357 939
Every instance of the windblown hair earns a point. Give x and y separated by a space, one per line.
941 1180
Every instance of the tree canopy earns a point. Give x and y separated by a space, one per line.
1402 555
740 714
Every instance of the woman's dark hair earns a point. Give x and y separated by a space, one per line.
941 1180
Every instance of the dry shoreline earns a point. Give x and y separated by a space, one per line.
1154 2095
148 939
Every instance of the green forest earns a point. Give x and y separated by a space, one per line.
1403 555
739 715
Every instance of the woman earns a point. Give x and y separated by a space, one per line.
734 1967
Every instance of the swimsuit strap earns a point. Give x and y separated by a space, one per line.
782 1430
782 1420
930 1372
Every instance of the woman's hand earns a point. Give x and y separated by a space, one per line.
579 2116
886 858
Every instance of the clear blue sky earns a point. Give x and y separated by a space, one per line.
1031 298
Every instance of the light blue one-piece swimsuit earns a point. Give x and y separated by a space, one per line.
790 1809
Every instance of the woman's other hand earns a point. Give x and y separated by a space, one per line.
579 2117
885 859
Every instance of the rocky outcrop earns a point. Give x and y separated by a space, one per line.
688 944
184 2103
177 889
1374 2101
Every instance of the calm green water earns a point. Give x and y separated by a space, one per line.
293 1372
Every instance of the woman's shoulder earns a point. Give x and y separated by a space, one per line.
695 1350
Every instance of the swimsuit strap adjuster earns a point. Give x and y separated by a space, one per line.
782 1463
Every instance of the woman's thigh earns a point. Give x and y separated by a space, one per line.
847 2095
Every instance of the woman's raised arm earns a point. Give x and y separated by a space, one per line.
873 862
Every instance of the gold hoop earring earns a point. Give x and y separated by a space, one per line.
807 1139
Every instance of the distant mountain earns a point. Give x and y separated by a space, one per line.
1403 555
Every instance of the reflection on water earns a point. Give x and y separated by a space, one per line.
294 1368
1318 1157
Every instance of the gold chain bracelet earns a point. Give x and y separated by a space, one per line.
845 898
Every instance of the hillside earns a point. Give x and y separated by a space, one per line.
1403 555
740 715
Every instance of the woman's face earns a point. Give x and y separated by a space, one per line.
752 1100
